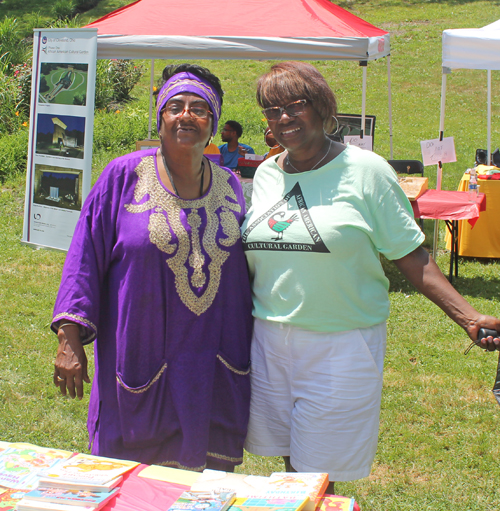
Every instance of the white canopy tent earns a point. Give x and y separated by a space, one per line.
471 48
468 48
242 29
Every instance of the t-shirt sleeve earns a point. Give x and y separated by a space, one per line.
395 232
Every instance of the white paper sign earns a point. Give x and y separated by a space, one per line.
435 151
365 143
254 157
61 132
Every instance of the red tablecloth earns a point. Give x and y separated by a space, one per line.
143 494
448 205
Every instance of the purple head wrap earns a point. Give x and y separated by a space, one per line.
189 82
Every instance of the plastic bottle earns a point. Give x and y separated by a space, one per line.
473 185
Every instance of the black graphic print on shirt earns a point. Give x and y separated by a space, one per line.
275 229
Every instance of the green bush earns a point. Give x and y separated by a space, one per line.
85 5
13 153
12 116
22 80
13 48
119 130
115 80
63 9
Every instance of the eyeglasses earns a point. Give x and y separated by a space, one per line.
198 112
294 109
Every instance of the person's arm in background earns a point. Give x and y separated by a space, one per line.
421 270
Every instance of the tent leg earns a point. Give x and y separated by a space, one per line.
439 170
151 81
488 160
363 100
390 102
434 243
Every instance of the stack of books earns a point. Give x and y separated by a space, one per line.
64 499
77 483
282 491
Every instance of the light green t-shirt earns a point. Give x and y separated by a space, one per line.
312 241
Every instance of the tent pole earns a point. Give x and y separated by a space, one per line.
151 81
364 65
363 103
440 166
488 158
390 102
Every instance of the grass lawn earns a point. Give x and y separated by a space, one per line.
438 447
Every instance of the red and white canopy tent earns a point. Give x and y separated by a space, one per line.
242 29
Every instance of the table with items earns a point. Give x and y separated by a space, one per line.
484 239
451 207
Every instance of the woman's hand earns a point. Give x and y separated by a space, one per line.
488 343
70 368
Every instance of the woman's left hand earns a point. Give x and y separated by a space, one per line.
488 343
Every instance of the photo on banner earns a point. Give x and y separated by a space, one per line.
61 131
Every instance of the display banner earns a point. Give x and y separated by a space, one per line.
61 132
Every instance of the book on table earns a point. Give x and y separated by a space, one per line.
297 485
69 497
53 482
211 500
280 485
337 503
243 485
20 463
269 504
86 468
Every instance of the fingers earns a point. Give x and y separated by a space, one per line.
490 343
70 368
60 382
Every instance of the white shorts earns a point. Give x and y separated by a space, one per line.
316 397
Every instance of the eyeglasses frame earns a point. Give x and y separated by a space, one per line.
282 109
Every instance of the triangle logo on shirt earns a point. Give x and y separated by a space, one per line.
283 230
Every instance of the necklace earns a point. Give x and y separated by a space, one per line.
288 162
172 181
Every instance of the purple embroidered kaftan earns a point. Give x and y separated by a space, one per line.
161 284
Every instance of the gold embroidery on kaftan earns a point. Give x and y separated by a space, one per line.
196 260
147 387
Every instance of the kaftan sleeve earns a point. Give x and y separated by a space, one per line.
89 255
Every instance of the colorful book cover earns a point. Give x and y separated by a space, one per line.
337 503
86 468
19 464
271 504
203 501
9 498
295 485
70 497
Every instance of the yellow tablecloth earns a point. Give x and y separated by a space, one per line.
484 239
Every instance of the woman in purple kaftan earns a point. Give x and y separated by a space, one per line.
157 277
